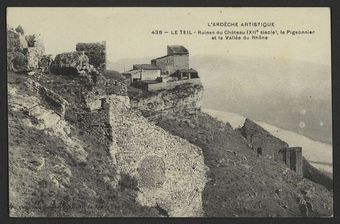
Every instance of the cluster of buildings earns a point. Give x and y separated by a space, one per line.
164 72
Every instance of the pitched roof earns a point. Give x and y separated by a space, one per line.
177 49
188 70
160 57
146 67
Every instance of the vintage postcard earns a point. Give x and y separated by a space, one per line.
169 112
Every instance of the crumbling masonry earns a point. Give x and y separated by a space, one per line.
267 145
96 52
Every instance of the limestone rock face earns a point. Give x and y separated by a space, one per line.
170 171
183 98
18 62
71 63
15 41
50 121
15 44
31 47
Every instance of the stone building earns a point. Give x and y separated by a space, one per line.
96 52
164 72
143 72
267 145
177 58
292 157
183 74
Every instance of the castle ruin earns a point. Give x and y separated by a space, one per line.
268 146
165 72
96 52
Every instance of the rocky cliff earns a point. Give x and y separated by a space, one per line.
182 100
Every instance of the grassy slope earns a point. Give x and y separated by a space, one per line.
316 175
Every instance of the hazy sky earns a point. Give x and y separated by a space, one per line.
128 30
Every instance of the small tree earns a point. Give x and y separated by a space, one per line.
19 29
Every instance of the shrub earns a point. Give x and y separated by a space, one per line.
19 29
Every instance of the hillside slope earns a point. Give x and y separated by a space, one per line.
243 184
317 157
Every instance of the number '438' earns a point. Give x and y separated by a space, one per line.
157 32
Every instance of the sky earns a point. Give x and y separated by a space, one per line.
127 31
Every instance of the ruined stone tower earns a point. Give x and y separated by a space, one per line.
96 52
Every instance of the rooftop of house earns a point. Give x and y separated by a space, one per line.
146 67
177 49
174 50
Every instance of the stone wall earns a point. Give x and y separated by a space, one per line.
96 52
171 85
150 74
170 171
295 159
45 63
261 140
267 145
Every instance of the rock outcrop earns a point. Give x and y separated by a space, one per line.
71 63
24 53
18 62
33 55
35 41
183 99
15 44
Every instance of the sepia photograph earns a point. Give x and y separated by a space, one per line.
169 112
